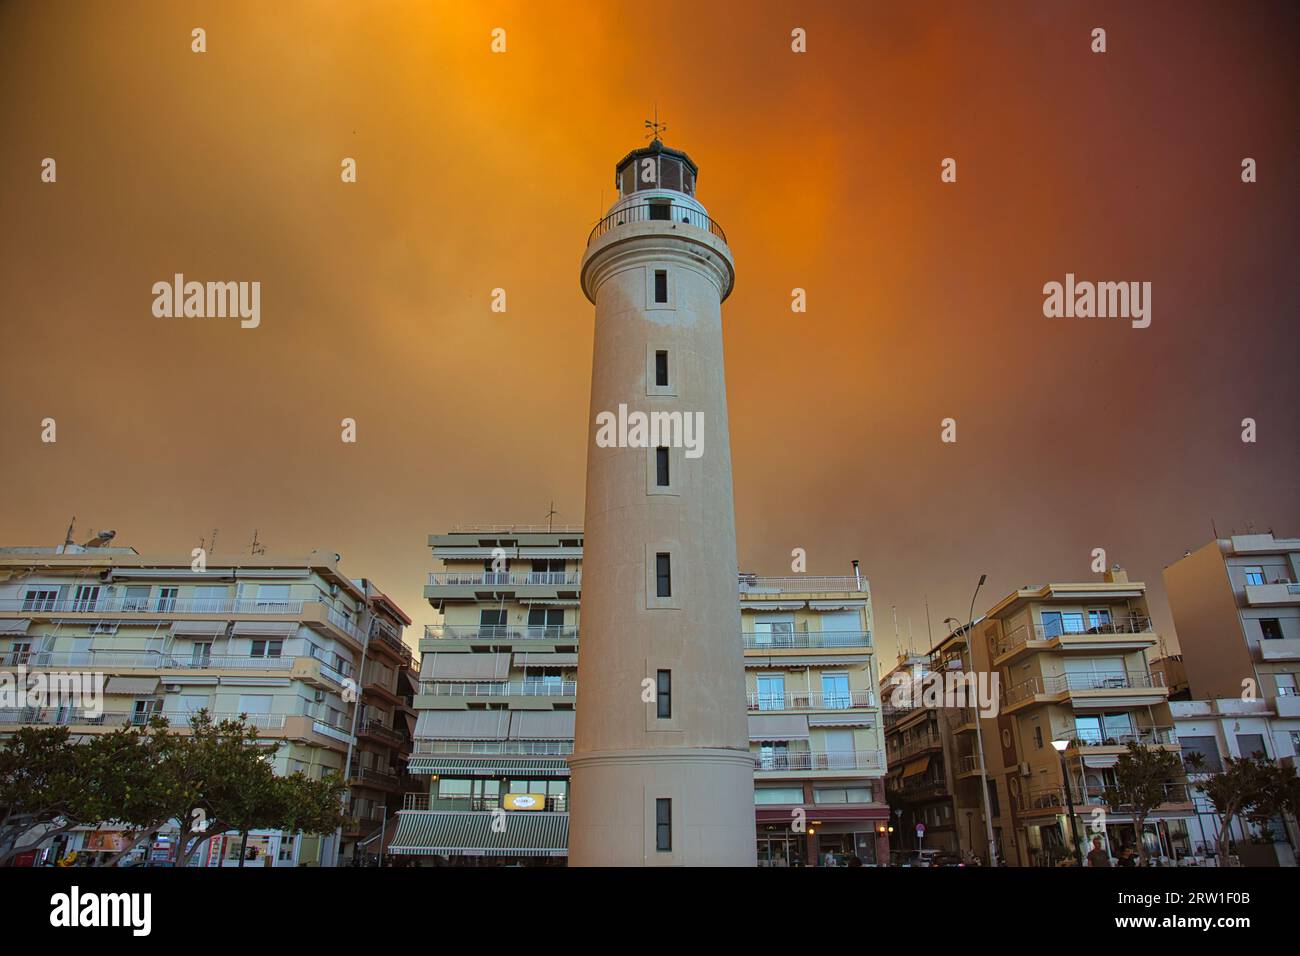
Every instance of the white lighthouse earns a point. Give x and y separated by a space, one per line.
661 769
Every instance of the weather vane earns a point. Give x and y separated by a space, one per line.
654 126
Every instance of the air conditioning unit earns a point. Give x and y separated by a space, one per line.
1024 770
172 688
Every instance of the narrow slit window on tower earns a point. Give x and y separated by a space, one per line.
661 467
663 825
663 575
660 210
661 368
664 694
661 285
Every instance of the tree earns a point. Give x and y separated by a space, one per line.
42 787
1251 787
1142 776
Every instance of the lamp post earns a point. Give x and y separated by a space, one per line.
979 733
1060 746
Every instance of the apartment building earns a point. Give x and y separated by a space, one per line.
814 720
1236 606
278 638
498 684
1072 664
931 752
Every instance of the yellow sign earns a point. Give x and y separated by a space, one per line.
524 801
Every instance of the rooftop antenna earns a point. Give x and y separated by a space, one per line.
550 514
67 539
654 126
212 549
257 547
929 634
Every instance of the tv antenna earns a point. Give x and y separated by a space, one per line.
257 547
549 515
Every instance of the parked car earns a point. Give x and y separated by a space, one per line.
919 858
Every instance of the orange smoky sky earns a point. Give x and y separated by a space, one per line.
479 170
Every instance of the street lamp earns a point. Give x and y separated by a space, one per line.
1060 746
979 733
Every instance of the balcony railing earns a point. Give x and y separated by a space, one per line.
505 579
153 660
143 605
1147 737
764 640
379 729
422 801
1081 682
819 760
799 583
380 778
655 212
494 632
918 744
494 748
526 688
516 529
800 701
1044 632
68 717
390 637
1053 797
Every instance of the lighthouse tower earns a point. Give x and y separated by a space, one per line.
661 773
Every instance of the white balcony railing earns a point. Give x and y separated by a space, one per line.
796 760
155 605
800 583
152 660
566 688
500 748
763 640
505 579
1082 682
801 701
1136 624
495 632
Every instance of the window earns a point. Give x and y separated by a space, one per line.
1056 623
994 809
87 598
201 655
267 648
778 795
771 692
661 285
40 599
663 575
1038 736
254 704
844 795
1270 628
1250 744
20 653
143 710
663 825
661 467
661 368
136 598
660 211
664 695
773 755
272 595
1255 575
1285 685
1207 747
209 600
835 691
166 599
1098 618
545 621
491 623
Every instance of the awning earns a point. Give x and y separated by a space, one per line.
842 720
451 833
267 628
463 724
203 628
1103 760
554 602
136 686
918 766
778 727
761 606
448 665
534 659
836 605
14 626
486 766
541 725
799 661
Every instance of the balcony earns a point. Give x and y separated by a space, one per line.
798 701
918 744
1051 798
1131 633
558 803
498 633
505 579
670 212
812 760
378 730
566 688
1117 689
79 717
380 779
147 660
1272 595
384 636
1279 649
767 641
800 584
494 748
1095 741
150 607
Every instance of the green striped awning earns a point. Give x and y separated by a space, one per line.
486 766
466 833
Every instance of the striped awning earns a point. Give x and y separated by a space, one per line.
463 724
842 720
464 833
268 628
14 626
199 628
458 666
488 766
535 659
918 766
778 727
135 686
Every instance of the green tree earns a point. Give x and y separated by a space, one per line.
1252 788
41 793
1143 776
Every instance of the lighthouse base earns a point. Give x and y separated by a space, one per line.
615 811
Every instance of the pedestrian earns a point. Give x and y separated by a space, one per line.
1126 857
1098 855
